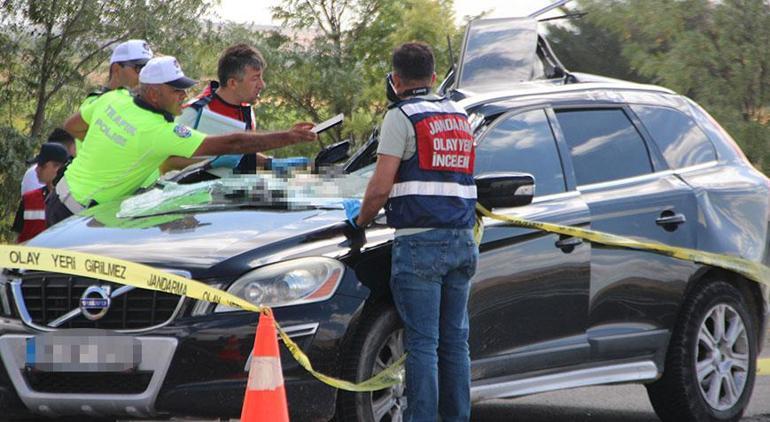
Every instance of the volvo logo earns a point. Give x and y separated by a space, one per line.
95 302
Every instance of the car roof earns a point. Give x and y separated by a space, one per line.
588 84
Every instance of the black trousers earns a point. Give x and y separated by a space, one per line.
55 210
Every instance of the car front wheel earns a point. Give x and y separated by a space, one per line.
711 361
379 342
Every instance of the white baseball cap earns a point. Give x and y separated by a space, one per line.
137 51
165 70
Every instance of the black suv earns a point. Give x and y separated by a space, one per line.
547 312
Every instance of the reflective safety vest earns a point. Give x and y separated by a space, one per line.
34 214
435 188
210 100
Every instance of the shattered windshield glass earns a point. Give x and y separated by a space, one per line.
499 51
261 190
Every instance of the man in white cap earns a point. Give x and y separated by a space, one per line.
126 138
126 62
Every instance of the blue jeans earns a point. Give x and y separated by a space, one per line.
430 282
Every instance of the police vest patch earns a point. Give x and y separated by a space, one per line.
182 131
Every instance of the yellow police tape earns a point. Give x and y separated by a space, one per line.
143 276
763 367
146 277
752 270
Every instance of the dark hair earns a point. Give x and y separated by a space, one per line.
60 136
234 61
413 61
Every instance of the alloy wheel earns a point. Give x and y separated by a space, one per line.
722 357
388 405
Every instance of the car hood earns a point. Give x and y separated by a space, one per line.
188 240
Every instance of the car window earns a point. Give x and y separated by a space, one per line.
604 145
523 143
680 140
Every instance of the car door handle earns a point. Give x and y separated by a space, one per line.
670 219
568 243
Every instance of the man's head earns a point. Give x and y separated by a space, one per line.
61 136
413 66
240 72
126 62
49 159
163 84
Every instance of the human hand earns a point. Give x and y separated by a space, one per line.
301 132
352 209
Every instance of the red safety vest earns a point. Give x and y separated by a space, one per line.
34 214
209 99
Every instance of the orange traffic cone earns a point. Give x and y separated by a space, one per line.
265 399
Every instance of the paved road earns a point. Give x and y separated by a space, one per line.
628 403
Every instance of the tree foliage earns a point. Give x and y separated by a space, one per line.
57 43
328 57
713 52
331 56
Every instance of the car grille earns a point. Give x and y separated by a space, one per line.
47 296
89 382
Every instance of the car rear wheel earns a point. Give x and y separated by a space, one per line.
711 361
378 343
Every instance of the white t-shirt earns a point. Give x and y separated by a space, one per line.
30 182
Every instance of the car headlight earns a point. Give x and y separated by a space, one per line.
294 282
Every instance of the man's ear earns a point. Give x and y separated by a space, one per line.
397 82
114 69
433 79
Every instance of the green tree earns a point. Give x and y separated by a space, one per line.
60 42
584 46
342 69
15 149
713 52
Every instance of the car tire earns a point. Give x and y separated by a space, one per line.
378 343
711 361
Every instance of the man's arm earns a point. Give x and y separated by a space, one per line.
379 187
245 143
177 163
76 126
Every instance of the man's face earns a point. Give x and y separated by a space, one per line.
248 87
128 74
171 99
46 172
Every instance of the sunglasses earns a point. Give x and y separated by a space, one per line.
137 66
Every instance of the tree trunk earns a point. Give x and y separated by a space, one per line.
39 119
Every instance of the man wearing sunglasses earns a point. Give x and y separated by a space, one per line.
126 62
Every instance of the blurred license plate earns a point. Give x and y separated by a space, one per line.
75 352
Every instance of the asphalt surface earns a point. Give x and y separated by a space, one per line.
628 403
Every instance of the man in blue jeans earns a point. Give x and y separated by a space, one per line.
424 177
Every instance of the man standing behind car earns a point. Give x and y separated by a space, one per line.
425 173
240 70
30 180
30 217
126 61
126 138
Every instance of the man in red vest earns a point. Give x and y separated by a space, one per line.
240 71
30 218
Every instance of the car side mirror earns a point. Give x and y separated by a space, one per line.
332 154
505 190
